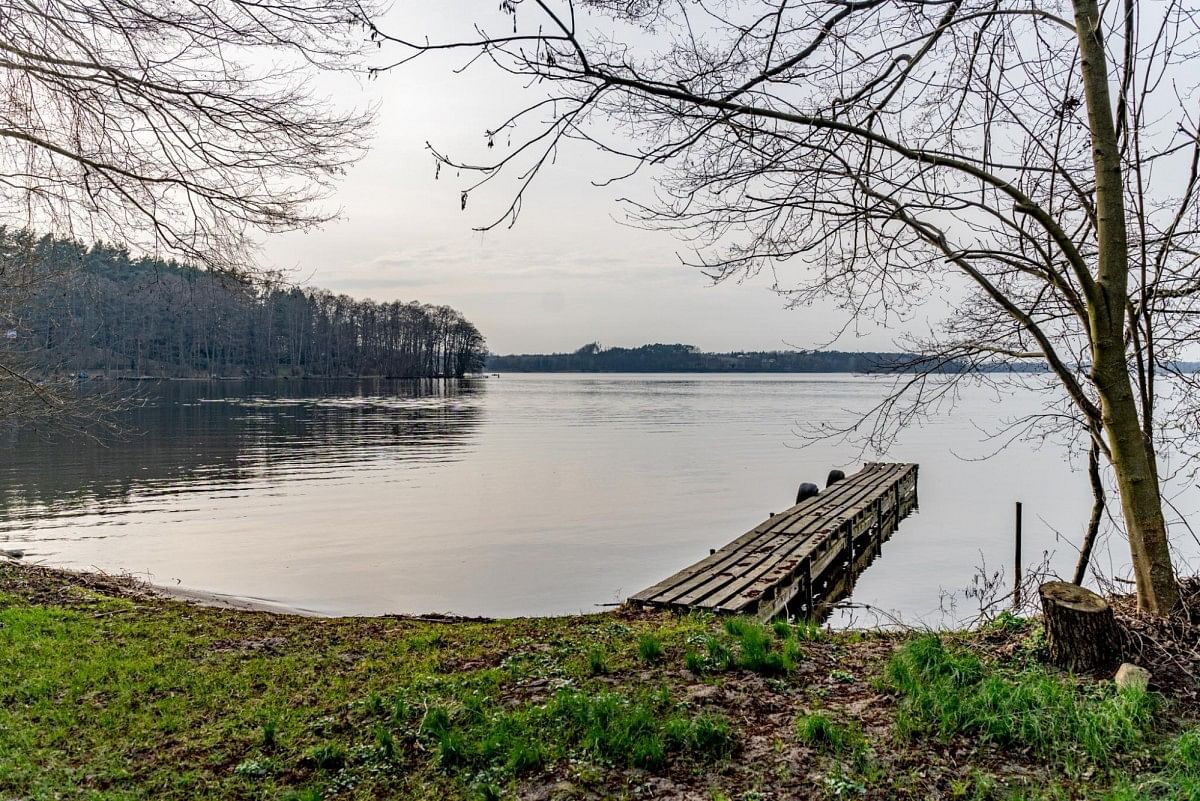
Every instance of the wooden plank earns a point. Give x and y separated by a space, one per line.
704 584
789 550
769 562
819 552
743 544
838 583
748 556
850 511
874 480
721 554
768 555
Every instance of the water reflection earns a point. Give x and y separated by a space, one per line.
513 496
203 437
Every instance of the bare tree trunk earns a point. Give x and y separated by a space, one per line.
1107 302
1089 538
1141 505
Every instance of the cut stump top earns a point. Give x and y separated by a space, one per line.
1072 596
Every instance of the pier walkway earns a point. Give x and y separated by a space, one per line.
794 560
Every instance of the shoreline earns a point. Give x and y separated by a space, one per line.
131 585
219 600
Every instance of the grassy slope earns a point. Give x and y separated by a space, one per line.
111 694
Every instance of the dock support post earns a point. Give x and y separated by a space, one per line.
809 608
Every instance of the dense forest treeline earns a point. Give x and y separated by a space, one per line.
689 359
97 310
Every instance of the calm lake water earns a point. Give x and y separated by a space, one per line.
525 494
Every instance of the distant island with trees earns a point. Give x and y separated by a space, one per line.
99 312
680 358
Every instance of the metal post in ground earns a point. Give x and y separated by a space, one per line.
1017 563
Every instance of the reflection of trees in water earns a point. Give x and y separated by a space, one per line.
193 436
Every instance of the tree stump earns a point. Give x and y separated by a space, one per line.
1080 629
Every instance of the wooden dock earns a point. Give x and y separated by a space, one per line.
796 560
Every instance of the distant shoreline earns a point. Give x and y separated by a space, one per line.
680 358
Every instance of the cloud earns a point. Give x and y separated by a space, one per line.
465 266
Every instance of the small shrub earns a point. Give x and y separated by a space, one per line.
307 794
822 732
694 662
597 661
270 733
253 769
385 741
374 705
719 656
843 676
757 653
401 711
327 756
650 649
1008 622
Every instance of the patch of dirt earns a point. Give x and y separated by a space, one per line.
53 587
252 645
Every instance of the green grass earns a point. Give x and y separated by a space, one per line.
270 733
609 727
598 661
719 657
949 691
105 698
769 651
821 732
327 756
716 657
1178 778
108 699
650 648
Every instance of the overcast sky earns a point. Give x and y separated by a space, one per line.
569 273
